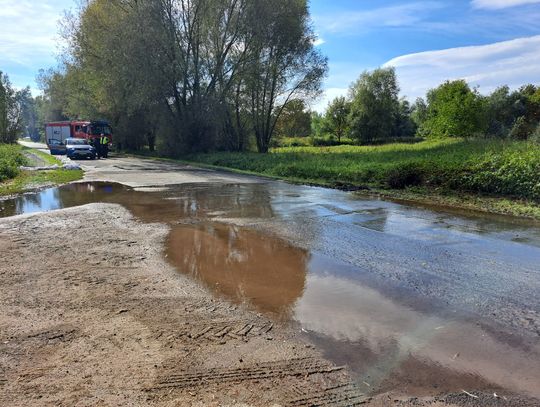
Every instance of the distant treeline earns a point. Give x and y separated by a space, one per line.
18 113
373 113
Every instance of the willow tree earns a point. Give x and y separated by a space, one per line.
285 65
203 74
204 51
374 105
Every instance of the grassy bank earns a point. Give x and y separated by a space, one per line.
468 169
11 158
17 181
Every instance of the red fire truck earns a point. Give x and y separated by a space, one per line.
56 133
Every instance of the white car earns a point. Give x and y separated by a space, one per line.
79 148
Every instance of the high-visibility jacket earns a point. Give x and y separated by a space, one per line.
104 140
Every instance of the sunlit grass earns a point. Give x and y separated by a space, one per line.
496 167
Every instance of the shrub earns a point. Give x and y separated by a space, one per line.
521 129
11 159
324 141
394 140
511 172
330 141
405 175
291 142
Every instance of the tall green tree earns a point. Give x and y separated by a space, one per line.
318 124
502 109
29 114
3 109
374 106
419 112
11 121
454 110
53 104
284 63
295 120
337 117
405 125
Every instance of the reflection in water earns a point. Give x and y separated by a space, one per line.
242 264
386 343
173 204
392 343
47 200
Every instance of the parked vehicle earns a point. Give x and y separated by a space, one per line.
79 148
57 133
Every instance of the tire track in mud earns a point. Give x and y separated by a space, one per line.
301 367
222 331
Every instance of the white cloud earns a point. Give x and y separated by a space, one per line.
29 32
328 95
500 4
352 22
513 63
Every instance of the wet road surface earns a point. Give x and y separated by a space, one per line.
409 298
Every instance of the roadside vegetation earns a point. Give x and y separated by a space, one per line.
18 118
447 168
28 181
11 158
14 181
486 166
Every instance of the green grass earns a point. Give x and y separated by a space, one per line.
11 158
22 181
475 202
331 141
455 167
48 158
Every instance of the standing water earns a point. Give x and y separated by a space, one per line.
407 297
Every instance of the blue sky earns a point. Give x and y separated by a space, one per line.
487 42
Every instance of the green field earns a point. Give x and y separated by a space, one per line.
494 168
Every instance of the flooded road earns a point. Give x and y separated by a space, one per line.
409 298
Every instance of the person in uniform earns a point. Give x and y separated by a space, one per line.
104 145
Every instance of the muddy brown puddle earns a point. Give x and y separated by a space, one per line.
391 338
